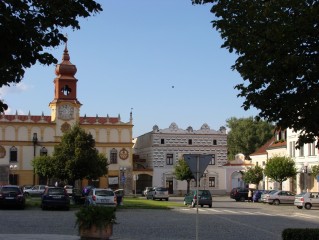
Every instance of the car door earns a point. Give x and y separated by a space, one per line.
314 199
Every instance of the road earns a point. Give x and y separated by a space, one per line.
227 220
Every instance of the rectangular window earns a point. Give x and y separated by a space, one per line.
162 141
190 142
211 181
13 154
214 142
212 162
311 149
113 156
169 159
301 151
293 149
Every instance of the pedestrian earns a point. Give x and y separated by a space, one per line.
249 195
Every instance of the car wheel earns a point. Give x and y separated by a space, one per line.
202 205
300 207
276 202
210 206
242 199
308 206
166 199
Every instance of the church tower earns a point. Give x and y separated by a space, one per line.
65 108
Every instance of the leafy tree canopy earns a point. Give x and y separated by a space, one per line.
315 170
76 157
280 168
246 135
277 46
182 172
253 175
29 27
44 166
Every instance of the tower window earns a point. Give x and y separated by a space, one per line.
66 90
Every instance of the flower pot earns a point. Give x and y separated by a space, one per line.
96 233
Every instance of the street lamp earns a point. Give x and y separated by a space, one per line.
35 141
12 179
305 171
123 179
263 167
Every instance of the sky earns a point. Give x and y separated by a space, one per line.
160 59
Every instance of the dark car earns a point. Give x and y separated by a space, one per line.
55 197
204 198
240 194
77 196
12 196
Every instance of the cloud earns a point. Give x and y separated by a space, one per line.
14 89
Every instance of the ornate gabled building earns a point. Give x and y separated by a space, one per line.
23 137
161 149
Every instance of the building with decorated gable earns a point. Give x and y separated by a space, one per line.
23 137
161 149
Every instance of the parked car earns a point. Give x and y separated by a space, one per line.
240 194
307 200
146 190
280 196
55 197
77 196
36 190
101 196
12 195
204 198
266 194
258 193
158 193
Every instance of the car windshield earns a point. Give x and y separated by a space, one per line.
273 191
161 189
104 193
10 189
300 194
56 191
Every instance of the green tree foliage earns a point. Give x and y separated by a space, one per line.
29 27
280 168
76 157
253 175
277 47
246 135
44 166
182 172
315 170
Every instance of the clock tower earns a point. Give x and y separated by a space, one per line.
65 108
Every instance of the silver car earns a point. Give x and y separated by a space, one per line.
158 193
101 197
281 196
307 200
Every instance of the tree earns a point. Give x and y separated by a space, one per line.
277 46
44 166
29 27
246 135
253 175
182 172
76 157
315 170
280 168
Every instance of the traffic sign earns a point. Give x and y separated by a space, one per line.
198 163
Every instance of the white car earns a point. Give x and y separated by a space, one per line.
102 197
280 197
307 200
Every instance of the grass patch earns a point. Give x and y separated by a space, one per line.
142 203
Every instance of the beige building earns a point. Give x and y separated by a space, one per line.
23 137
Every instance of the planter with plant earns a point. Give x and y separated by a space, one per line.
95 222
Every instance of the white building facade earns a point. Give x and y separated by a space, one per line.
163 148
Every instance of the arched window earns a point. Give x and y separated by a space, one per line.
43 151
113 156
13 154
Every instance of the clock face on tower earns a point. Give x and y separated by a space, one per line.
66 112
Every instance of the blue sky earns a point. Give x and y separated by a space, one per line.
162 58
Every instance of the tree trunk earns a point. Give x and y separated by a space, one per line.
188 186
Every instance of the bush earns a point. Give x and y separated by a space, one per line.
300 234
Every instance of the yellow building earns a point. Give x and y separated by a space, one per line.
23 137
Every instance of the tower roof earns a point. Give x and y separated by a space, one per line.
65 68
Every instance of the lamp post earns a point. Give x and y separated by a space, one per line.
123 178
12 169
305 171
263 167
35 141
